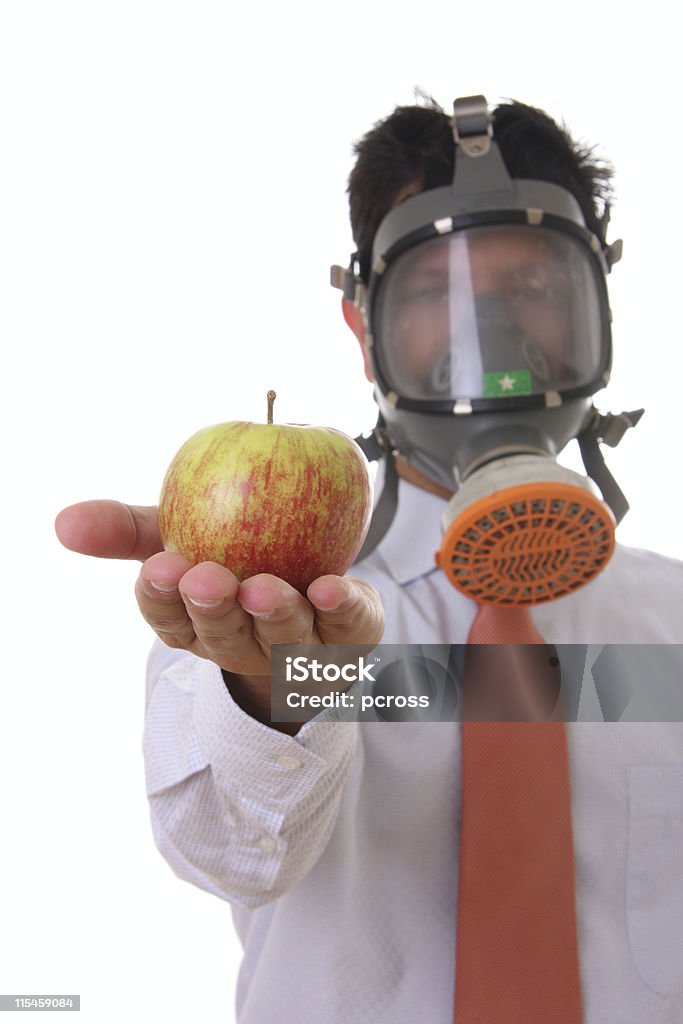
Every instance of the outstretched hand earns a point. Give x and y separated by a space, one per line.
205 609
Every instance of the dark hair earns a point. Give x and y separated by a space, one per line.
413 150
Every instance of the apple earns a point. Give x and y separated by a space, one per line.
288 499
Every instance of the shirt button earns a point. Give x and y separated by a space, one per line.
289 761
266 844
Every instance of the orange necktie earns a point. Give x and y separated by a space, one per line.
517 954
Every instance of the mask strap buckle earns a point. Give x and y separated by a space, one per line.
472 125
609 430
348 281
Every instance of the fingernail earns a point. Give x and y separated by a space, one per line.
203 603
163 588
257 612
329 605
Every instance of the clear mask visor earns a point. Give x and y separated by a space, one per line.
491 312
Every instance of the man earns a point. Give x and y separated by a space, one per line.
338 844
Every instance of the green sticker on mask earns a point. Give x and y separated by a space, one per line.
508 384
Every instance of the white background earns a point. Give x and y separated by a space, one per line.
172 188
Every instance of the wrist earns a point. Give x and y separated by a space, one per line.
253 695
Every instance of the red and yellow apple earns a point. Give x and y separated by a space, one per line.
288 499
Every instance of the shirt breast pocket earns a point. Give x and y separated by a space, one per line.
654 877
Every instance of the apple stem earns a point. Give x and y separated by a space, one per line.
271 396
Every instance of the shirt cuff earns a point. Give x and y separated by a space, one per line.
272 767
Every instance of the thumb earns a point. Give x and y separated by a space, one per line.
110 529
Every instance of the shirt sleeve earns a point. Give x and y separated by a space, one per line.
237 808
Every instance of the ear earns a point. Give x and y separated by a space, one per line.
354 319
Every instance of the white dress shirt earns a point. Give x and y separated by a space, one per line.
338 848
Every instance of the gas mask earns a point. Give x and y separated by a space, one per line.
488 326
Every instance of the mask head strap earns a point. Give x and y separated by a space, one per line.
479 167
376 447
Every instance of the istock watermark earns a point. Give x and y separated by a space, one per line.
303 670
387 684
434 682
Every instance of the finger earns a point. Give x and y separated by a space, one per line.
348 610
222 627
160 601
279 612
109 529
